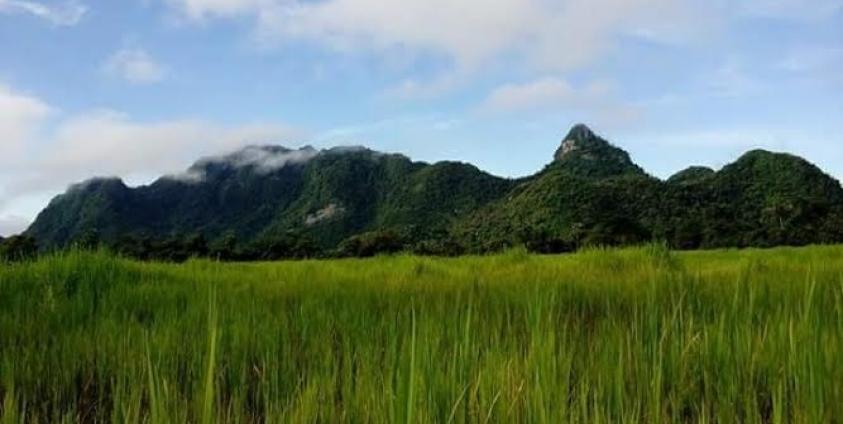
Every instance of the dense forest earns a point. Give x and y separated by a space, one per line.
269 202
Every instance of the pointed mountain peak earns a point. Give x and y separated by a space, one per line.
580 132
579 138
585 152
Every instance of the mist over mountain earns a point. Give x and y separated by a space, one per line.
591 193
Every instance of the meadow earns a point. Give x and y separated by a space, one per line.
632 335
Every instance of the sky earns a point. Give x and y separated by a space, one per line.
142 88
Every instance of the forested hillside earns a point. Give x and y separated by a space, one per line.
267 202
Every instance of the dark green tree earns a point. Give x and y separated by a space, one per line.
18 248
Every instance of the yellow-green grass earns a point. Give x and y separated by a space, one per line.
633 335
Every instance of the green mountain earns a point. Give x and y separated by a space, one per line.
586 154
691 175
763 199
592 193
262 192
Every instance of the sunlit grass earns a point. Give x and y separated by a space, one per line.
634 335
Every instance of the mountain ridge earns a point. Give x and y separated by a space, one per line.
591 193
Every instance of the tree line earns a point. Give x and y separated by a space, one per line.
296 244
290 245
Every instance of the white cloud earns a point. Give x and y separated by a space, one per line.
596 101
40 154
263 159
467 30
12 224
538 93
109 143
552 35
135 66
68 13
20 117
543 37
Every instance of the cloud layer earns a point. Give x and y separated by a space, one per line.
135 66
596 102
20 118
545 92
556 35
41 153
263 159
12 224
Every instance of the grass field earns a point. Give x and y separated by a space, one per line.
634 335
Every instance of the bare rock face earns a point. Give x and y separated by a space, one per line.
585 153
567 147
324 214
578 138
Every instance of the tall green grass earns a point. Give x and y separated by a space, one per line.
635 335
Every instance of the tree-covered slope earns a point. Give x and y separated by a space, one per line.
584 153
102 205
762 199
591 193
267 191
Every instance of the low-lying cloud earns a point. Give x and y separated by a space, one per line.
269 159
43 151
110 143
12 224
263 159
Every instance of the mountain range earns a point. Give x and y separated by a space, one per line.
360 201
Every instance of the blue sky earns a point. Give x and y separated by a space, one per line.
139 88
